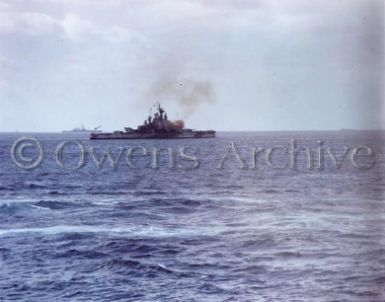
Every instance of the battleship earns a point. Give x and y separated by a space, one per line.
82 129
156 126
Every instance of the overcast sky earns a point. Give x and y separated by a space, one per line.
218 64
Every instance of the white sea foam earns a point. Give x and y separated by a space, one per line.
150 231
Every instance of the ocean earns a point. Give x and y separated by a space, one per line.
222 219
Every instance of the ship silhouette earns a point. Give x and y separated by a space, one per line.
156 126
83 129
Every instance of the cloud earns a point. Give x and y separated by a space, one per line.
75 27
292 60
71 26
80 29
26 22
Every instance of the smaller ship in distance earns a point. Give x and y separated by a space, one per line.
82 129
156 126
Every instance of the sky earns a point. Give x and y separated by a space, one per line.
218 64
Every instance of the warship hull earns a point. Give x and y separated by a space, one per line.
128 135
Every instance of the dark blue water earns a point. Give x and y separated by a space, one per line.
185 234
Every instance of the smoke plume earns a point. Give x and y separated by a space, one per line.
173 125
188 93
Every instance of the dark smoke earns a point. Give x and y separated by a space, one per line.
189 94
173 125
